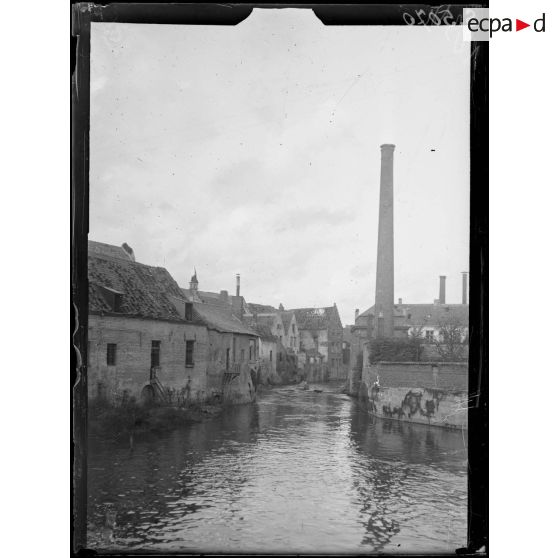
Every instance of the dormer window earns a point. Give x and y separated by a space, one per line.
113 298
188 311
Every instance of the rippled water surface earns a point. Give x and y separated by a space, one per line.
298 471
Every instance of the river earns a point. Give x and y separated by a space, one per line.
297 471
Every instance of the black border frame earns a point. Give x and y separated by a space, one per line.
82 14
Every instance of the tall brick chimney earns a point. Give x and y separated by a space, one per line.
442 297
384 266
464 295
237 284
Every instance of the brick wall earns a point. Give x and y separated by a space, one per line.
217 356
133 337
450 376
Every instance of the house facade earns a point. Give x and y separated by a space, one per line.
143 340
321 330
233 347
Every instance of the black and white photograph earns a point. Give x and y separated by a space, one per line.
277 350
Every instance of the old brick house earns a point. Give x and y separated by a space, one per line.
232 355
320 329
144 337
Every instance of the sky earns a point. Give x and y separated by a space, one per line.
255 149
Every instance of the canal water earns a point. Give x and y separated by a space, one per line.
297 471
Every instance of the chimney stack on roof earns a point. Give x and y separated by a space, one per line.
442 297
464 294
384 261
237 284
400 301
357 312
224 296
128 249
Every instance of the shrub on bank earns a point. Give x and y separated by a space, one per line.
130 418
394 350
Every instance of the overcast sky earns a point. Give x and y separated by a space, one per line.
255 149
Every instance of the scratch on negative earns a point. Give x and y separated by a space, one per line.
78 352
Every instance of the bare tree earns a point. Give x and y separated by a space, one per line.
450 341
415 335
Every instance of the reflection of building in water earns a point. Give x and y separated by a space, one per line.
386 488
377 486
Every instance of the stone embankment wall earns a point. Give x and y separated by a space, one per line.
239 387
434 393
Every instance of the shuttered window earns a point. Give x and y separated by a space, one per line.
189 353
111 354
155 353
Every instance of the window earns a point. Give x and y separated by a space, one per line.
111 354
252 348
280 357
242 355
155 353
234 349
189 312
293 328
270 356
429 334
189 353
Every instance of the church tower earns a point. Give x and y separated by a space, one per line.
194 282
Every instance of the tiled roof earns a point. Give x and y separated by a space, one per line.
262 329
207 296
416 315
217 314
316 318
286 318
146 291
220 318
109 250
260 308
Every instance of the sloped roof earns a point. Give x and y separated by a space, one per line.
109 250
416 315
315 318
217 314
286 318
207 296
260 308
146 291
220 318
262 329
266 319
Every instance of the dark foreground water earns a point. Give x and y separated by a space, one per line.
298 471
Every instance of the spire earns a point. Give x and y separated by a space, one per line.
194 281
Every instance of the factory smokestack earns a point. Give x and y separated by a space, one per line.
464 295
384 265
442 297
237 284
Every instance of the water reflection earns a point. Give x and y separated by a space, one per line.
298 471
